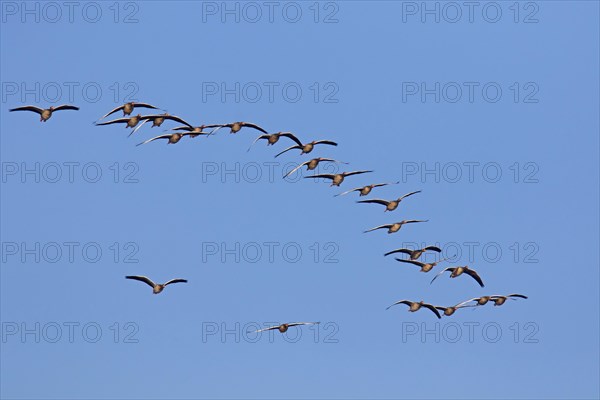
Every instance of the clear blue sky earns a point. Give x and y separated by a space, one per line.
173 211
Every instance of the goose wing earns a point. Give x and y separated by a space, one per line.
385 184
433 309
290 135
404 251
134 130
473 274
114 121
326 176
409 194
167 136
144 279
379 227
267 329
376 201
347 191
329 142
296 169
65 107
407 302
176 280
441 272
410 221
288 149
355 173
420 264
254 126
302 323
521 296
113 111
257 139
28 108
178 119
433 248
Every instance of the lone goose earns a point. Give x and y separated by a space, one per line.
172 137
425 267
389 205
395 227
337 179
156 287
274 138
414 254
499 300
457 271
237 126
414 306
128 108
45 113
365 190
129 122
312 164
284 327
195 130
308 147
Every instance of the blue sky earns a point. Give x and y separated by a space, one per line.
494 116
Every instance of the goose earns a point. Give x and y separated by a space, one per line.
284 327
274 138
337 179
365 190
416 306
457 271
425 267
395 227
45 113
237 126
308 147
128 108
195 130
312 164
414 254
499 300
448 311
156 287
157 120
172 137
389 205
130 122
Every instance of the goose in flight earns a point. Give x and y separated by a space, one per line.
389 205
448 311
499 300
274 138
195 130
130 122
308 147
284 327
337 179
414 254
157 120
395 227
172 137
237 126
45 113
457 271
416 306
365 190
312 164
156 287
128 108
425 267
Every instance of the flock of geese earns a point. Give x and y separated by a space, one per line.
174 135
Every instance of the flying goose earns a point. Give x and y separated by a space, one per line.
308 147
237 126
274 138
337 179
457 271
45 113
451 310
414 306
365 190
395 227
157 120
389 205
414 254
128 108
425 267
172 137
284 327
312 164
130 122
195 130
499 300
156 287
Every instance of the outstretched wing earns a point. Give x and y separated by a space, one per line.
65 107
433 309
302 323
143 105
28 108
407 302
378 227
288 149
474 275
326 176
329 142
155 138
296 169
257 139
178 119
113 111
251 125
409 194
144 279
417 263
410 221
290 135
433 248
385 184
451 269
376 201
114 121
134 130
347 191
177 280
517 295
355 173
267 329
404 251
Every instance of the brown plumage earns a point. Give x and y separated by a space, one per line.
457 271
